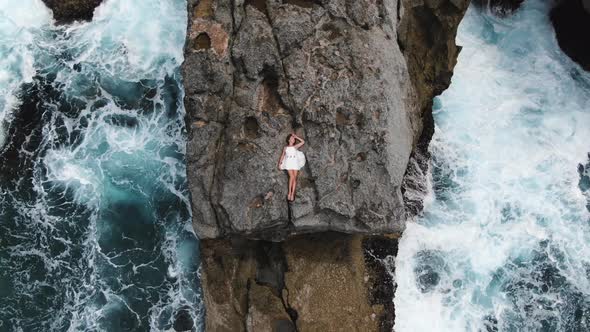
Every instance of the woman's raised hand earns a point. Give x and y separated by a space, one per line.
301 141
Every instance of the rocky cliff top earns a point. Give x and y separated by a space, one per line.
354 78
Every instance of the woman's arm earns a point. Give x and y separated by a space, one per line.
281 159
301 141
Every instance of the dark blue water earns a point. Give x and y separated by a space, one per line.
95 224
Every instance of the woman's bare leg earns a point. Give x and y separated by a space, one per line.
291 176
294 184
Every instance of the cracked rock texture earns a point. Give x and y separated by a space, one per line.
354 78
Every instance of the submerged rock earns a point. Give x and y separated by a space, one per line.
571 20
380 253
23 135
499 7
183 321
68 11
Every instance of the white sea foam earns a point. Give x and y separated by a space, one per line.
505 242
20 21
109 214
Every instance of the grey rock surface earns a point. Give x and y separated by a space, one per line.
355 79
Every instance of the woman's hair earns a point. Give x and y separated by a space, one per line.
288 138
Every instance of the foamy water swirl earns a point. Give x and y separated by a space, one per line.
504 242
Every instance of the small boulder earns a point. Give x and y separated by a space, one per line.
499 7
183 321
68 11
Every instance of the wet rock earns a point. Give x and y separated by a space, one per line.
490 323
571 20
22 139
584 182
499 7
379 253
183 321
428 270
68 11
23 133
426 36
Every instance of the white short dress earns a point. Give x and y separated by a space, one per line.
294 159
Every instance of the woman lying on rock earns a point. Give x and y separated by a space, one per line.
292 160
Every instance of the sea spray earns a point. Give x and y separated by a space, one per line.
504 245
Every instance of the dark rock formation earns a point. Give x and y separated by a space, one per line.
571 20
426 37
355 78
67 11
380 253
584 182
23 135
499 7
183 321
